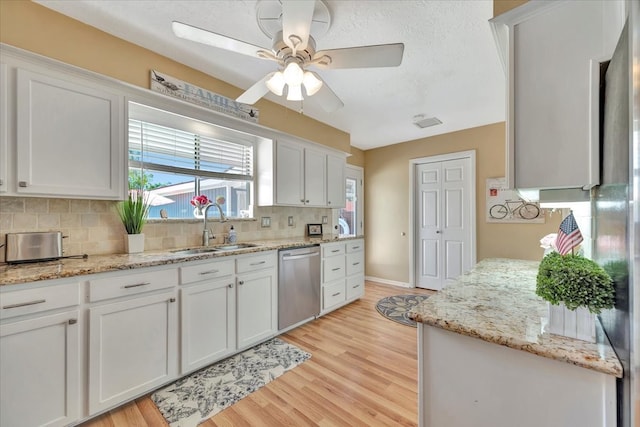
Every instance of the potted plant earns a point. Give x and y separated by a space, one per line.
577 289
133 213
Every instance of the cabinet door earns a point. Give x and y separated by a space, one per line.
315 178
4 130
257 304
289 174
69 139
132 348
40 371
207 323
335 182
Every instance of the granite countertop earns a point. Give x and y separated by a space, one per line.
70 267
496 302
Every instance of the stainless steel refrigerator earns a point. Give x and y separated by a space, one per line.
616 207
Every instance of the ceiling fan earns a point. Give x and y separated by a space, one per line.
294 50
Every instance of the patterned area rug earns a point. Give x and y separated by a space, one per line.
397 307
193 399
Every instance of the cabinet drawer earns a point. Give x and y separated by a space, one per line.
332 269
205 271
131 284
333 294
355 263
332 249
355 246
247 263
30 301
355 286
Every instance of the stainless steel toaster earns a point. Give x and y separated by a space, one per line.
36 246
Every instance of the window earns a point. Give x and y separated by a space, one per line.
174 158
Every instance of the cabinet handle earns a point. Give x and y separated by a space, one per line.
355 286
306 201
258 263
336 294
1 181
172 300
73 321
438 231
355 247
356 263
202 273
24 304
23 184
329 202
136 285
335 250
335 269
302 200
230 285
241 282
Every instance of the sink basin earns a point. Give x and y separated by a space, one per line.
234 246
194 251
221 248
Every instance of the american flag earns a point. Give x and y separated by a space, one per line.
569 235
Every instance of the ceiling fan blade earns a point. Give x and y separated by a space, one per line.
384 55
326 98
255 92
189 32
296 21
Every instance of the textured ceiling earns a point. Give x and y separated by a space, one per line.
450 68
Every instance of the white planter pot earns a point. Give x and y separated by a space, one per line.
134 243
579 324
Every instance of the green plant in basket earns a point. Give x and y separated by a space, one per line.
575 281
133 212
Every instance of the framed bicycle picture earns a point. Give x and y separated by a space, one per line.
314 230
505 205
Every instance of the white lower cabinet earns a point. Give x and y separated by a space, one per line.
133 334
40 371
257 307
40 350
207 314
342 273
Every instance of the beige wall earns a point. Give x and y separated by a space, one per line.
387 202
356 158
37 29
502 6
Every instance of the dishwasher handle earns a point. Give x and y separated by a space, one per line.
287 257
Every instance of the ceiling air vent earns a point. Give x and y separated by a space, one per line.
423 122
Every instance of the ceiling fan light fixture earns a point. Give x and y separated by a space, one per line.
312 84
293 74
276 83
294 93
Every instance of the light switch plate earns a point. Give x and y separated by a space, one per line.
290 221
265 221
325 219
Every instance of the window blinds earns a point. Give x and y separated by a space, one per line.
157 147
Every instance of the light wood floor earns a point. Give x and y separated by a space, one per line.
363 372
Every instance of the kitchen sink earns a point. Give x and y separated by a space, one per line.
221 248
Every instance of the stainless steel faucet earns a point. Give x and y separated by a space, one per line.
206 233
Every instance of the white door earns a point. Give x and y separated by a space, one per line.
444 221
351 218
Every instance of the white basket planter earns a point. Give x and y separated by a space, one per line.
579 324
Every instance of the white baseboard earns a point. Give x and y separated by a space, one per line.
388 282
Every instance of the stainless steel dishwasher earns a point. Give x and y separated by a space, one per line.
298 285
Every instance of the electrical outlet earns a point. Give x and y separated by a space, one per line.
325 219
290 221
265 221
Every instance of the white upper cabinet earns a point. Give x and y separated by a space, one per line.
552 53
69 138
4 120
295 173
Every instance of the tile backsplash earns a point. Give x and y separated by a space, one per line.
92 226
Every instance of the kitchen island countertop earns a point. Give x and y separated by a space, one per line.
70 267
496 302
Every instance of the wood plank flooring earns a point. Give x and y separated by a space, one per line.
363 372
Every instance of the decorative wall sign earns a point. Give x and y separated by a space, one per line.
170 86
505 205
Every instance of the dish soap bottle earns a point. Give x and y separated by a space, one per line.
232 235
